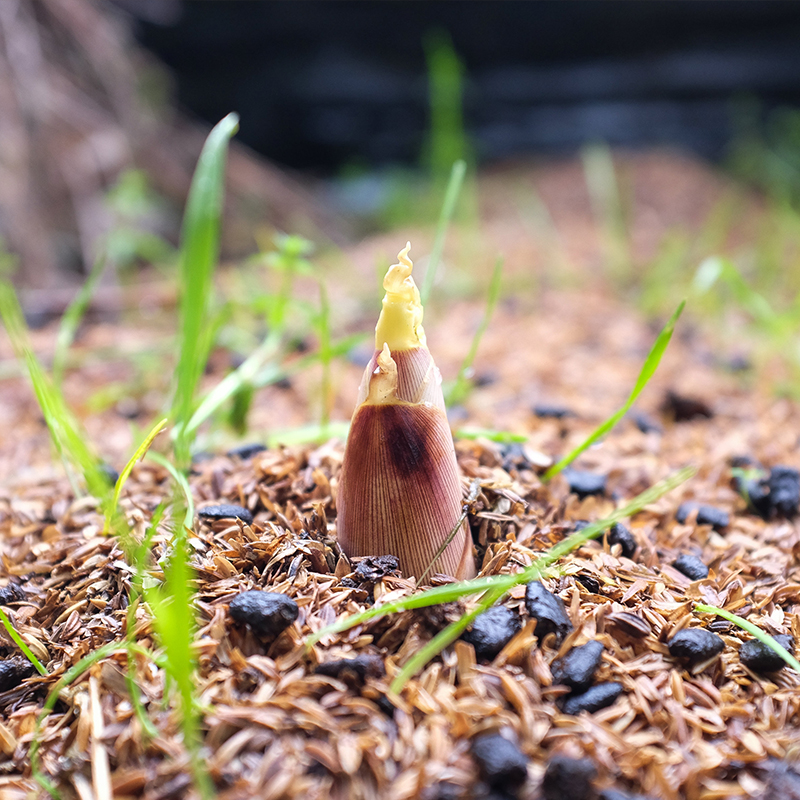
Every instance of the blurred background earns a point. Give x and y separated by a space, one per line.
344 106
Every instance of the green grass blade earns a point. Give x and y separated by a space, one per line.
198 258
535 571
762 636
140 453
462 384
183 484
455 591
20 642
448 209
501 437
650 365
73 316
325 354
68 438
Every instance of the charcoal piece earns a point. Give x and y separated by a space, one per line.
620 535
584 483
514 457
246 451
776 496
372 568
691 566
225 511
695 645
353 671
589 582
500 762
644 422
548 610
683 409
384 704
267 613
13 671
601 695
706 515
108 472
568 778
577 668
760 658
548 411
492 631
10 594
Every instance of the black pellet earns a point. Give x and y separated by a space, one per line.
620 535
246 451
584 483
548 610
695 645
683 409
225 511
644 422
491 631
514 457
568 778
267 613
589 582
500 762
706 515
372 568
547 411
601 695
108 472
10 594
778 495
759 657
691 566
353 671
577 668
13 671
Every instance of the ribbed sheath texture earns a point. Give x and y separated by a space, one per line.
399 491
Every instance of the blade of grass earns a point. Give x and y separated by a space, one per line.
198 258
20 642
73 316
68 438
325 355
183 484
460 388
650 366
538 569
744 624
501 437
448 208
454 591
140 453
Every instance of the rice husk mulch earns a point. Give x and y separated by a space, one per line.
274 728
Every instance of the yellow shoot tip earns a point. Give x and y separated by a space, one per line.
400 322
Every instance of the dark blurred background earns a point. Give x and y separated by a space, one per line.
326 84
104 107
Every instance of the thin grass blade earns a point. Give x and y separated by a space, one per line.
198 258
448 208
461 386
650 365
748 626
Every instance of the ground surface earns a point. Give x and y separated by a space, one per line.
275 728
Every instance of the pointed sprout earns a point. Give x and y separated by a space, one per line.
399 489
